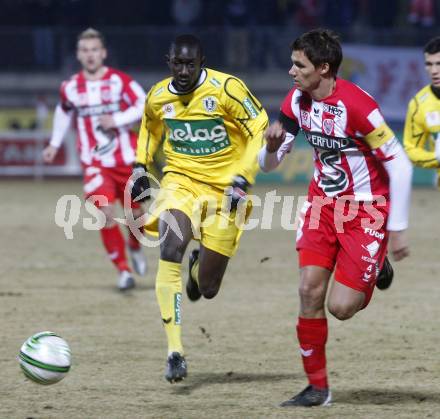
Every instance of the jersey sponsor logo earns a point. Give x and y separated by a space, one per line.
197 137
215 82
166 321
328 125
247 103
334 178
209 103
372 248
86 111
316 111
334 110
158 91
168 110
374 233
328 142
305 119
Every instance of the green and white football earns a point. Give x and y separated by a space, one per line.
45 358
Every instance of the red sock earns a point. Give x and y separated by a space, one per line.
133 242
312 336
115 245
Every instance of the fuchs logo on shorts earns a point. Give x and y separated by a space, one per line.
334 110
372 248
374 233
197 137
327 126
209 103
305 119
168 110
250 107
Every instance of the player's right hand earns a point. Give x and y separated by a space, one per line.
49 154
275 135
398 245
140 190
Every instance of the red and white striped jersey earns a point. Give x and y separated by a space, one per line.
115 94
344 129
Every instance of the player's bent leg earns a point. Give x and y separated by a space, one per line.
137 255
312 332
212 267
175 233
344 302
114 244
312 291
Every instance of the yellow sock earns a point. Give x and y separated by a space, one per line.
195 271
169 297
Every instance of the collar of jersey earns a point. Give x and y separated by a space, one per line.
202 78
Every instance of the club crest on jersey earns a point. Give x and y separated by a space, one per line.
305 119
168 110
328 125
106 95
82 99
209 103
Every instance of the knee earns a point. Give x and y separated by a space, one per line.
341 311
309 291
172 253
209 291
209 286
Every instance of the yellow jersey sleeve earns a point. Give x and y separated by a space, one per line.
150 134
251 120
415 136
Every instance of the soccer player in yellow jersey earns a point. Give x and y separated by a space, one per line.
421 136
212 128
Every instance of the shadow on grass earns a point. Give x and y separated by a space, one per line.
197 380
385 396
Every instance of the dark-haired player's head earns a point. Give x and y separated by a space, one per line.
90 50
320 46
315 54
432 60
185 60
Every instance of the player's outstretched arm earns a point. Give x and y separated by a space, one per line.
279 142
61 124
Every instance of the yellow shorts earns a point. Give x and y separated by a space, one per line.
217 230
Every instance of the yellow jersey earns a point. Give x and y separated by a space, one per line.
209 134
422 127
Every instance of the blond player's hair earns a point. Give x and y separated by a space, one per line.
91 33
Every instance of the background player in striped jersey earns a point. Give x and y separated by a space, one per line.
212 129
422 125
358 197
103 103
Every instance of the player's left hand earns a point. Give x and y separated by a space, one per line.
239 191
398 245
106 122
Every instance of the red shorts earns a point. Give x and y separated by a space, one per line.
351 237
108 182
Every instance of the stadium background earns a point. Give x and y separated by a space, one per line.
242 350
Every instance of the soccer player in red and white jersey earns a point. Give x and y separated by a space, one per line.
358 198
103 103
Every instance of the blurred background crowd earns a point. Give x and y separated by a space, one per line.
238 34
